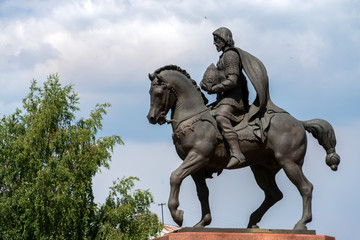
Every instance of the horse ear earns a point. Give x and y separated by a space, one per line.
154 76
151 77
159 79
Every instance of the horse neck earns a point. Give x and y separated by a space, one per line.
187 105
189 100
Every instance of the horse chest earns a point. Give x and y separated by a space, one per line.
184 137
182 133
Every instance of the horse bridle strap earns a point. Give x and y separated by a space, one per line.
167 106
167 103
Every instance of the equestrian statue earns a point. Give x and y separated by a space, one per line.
230 133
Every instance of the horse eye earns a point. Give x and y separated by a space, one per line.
157 91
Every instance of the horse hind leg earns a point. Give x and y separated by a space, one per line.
265 178
287 139
203 195
295 174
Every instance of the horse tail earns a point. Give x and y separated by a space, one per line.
324 133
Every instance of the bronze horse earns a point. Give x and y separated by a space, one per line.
198 144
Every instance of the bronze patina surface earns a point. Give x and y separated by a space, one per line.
231 133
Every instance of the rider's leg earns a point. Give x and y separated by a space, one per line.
231 137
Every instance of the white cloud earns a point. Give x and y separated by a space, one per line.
99 45
109 39
104 41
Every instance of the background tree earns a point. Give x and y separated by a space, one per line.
48 160
126 215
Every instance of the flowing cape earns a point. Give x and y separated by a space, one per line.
262 109
256 72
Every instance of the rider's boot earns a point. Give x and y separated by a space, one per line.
236 156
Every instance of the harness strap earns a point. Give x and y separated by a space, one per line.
187 118
205 116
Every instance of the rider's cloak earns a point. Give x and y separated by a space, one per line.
257 74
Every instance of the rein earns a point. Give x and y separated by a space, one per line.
167 103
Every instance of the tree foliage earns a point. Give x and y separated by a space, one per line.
126 215
48 160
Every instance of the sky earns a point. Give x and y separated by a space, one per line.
106 48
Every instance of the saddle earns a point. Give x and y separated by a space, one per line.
245 131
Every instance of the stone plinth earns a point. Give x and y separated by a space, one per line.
242 234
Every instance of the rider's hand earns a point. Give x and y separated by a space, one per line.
204 87
214 89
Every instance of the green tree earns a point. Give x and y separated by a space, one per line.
48 160
126 215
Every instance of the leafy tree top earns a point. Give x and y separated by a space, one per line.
48 160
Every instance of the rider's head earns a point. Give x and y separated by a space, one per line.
225 35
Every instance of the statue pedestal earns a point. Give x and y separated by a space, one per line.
241 234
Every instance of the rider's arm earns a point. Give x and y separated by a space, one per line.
229 83
232 72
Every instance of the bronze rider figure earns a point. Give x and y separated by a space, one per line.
232 94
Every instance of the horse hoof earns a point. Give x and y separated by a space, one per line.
255 226
300 226
199 225
204 222
179 217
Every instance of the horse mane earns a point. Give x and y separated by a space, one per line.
184 72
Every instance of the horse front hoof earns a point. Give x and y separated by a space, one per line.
179 217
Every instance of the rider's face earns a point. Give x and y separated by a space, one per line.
220 45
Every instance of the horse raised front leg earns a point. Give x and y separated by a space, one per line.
193 162
203 195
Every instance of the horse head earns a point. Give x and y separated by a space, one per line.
162 98
169 85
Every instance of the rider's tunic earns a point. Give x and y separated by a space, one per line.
229 98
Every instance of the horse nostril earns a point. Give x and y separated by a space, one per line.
151 119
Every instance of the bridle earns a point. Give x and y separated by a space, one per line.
166 100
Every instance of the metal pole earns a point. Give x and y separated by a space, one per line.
162 211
